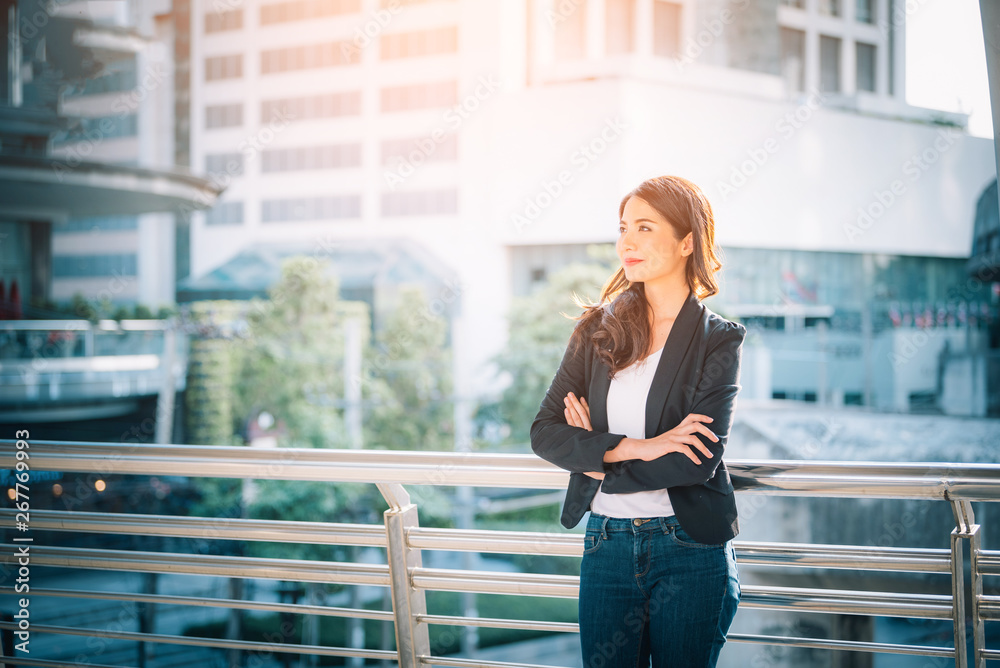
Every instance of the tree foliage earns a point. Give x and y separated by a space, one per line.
539 332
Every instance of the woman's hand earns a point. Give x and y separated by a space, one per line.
577 414
682 438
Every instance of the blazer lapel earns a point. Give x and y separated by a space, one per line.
599 385
674 352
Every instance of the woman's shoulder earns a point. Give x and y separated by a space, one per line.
719 326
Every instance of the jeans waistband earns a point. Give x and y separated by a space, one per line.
604 524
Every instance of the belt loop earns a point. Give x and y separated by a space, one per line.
663 525
604 528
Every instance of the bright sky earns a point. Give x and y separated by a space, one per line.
946 60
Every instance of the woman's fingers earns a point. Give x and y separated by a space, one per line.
580 410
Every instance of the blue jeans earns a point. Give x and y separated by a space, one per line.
648 591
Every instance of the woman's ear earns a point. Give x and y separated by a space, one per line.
687 246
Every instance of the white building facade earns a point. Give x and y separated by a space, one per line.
501 136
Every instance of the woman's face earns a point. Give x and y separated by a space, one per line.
647 247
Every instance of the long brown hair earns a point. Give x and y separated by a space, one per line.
621 315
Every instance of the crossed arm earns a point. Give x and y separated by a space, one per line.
688 454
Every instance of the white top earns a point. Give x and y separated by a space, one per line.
627 415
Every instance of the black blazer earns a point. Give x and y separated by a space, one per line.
698 372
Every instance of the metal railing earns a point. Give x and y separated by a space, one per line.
404 540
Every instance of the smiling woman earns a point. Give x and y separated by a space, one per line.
647 370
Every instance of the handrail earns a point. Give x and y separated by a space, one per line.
403 540
891 480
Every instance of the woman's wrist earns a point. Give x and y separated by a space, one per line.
624 450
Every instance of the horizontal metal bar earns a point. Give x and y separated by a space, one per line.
796 478
812 555
299 570
490 582
221 643
493 623
758 553
842 601
989 607
21 660
853 645
209 528
168 599
476 663
887 604
989 562
506 542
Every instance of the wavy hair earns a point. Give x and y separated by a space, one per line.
619 320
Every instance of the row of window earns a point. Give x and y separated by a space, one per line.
98 128
793 58
414 150
570 34
333 105
339 207
331 54
864 10
81 266
293 10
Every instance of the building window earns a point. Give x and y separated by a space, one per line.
667 29
329 105
223 67
97 224
389 4
310 209
225 213
866 66
421 203
829 7
83 266
619 17
220 21
419 96
116 77
310 56
223 116
570 19
416 150
311 157
99 128
829 64
793 58
419 43
224 163
864 11
301 10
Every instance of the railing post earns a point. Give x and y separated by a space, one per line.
412 637
958 597
978 634
966 528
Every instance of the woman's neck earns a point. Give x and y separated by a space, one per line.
665 301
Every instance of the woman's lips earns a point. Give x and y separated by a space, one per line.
631 262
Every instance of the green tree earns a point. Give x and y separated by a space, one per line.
539 332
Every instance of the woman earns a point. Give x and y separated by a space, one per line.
639 412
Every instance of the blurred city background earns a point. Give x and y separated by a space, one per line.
359 224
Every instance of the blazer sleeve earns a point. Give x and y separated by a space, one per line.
714 396
575 449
